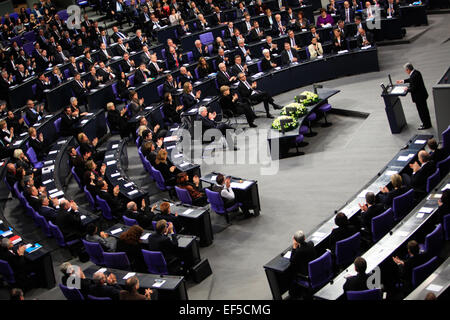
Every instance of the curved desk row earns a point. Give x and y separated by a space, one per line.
116 160
277 268
389 244
188 247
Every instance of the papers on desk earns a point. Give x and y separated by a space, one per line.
342 51
277 68
434 196
109 156
114 146
129 184
23 134
405 158
287 255
47 181
213 178
426 210
319 57
184 164
48 169
170 147
420 215
82 217
318 235
113 232
178 156
108 163
434 287
48 162
145 236
57 194
206 99
398 90
53 152
402 233
6 233
365 47
53 191
420 141
102 270
173 129
17 142
129 275
132 192
188 211
197 82
158 283
447 186
390 172
171 139
61 142
115 174
243 185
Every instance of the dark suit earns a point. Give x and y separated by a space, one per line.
67 124
369 38
114 203
144 218
183 79
79 91
356 283
167 245
351 14
140 77
197 53
223 80
106 290
32 116
172 62
340 233
301 256
259 96
153 71
237 107
69 223
419 96
285 56
39 147
103 57
188 101
419 179
387 198
372 211
48 213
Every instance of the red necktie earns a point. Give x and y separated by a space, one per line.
176 60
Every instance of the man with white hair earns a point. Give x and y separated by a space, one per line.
302 253
199 50
243 51
105 286
208 122
143 216
278 27
224 78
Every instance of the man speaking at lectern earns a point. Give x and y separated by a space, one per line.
419 94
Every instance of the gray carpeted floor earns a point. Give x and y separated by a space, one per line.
307 189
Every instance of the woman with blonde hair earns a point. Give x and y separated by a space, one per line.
387 196
168 172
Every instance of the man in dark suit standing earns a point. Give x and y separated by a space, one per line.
347 13
419 94
358 282
79 89
165 241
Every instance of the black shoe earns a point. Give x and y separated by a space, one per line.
252 125
269 116
422 127
277 107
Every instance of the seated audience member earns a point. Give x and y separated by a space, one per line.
293 41
113 199
169 172
143 216
34 114
278 26
436 154
118 120
239 67
422 170
301 254
364 38
49 210
289 55
166 242
68 121
223 187
86 145
203 68
131 291
255 96
130 243
17 123
315 49
72 276
269 45
387 196
6 135
108 243
90 182
414 259
195 192
170 85
123 85
444 206
267 62
149 151
22 161
171 110
232 103
324 20
166 214
199 50
224 78
189 98
343 231
16 260
339 43
80 89
105 286
369 210
142 75
136 104
37 143
68 220
358 282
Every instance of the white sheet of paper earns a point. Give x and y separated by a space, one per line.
184 164
402 233
132 192
398 90
114 146
287 255
109 156
83 217
111 162
129 184
447 186
434 287
102 270
243 185
213 178
159 283
116 231
57 194
420 215
188 211
129 275
403 158
420 141
391 172
53 152
145 236
115 174
426 210
362 194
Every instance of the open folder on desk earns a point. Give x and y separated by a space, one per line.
398 90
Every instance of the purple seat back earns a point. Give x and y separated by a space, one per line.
155 262
129 222
320 270
371 294
381 224
348 249
434 241
183 195
106 210
420 273
6 272
403 204
116 260
71 293
95 252
433 181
